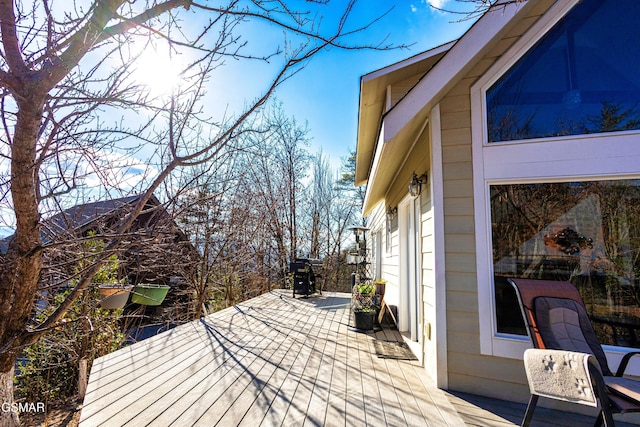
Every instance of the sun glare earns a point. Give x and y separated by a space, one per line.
159 71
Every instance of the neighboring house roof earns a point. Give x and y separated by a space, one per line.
399 128
82 217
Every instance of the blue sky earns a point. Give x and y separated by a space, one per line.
325 94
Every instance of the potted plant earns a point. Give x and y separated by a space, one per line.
366 289
381 286
149 294
365 305
114 295
365 318
113 292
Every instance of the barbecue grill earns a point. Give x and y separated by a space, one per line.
304 278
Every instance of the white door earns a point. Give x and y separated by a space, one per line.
410 315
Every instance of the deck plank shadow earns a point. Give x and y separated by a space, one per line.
278 360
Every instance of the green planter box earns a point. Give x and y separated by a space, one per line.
149 294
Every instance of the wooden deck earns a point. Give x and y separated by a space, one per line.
275 360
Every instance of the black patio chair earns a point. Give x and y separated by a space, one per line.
556 319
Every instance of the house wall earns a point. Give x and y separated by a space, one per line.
498 377
462 313
400 89
418 160
466 367
390 263
449 211
428 280
377 219
377 222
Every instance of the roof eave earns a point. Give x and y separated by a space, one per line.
456 63
402 121
372 102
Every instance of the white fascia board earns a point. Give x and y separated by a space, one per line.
388 75
455 62
406 62
371 183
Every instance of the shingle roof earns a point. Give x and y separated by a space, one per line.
82 215
78 217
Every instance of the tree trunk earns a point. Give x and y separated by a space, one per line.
21 265
8 418
83 377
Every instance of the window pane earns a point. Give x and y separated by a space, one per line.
582 77
584 232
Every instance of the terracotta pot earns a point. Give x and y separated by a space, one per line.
114 295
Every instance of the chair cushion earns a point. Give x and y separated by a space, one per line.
564 325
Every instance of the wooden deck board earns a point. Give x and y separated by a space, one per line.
317 409
306 373
276 360
410 403
231 399
336 407
374 402
210 376
391 405
270 408
355 413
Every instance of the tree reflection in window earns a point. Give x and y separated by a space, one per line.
568 241
582 77
584 232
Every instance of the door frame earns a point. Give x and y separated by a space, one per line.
410 310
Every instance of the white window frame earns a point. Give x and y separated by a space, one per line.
614 155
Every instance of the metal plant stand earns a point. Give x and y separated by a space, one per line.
363 299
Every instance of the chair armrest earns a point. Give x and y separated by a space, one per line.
625 361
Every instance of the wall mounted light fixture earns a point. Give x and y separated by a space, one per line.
415 185
391 213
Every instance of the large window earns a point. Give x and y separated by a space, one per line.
561 208
582 77
584 232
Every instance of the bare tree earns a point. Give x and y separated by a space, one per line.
63 70
291 161
278 164
212 211
331 208
470 9
320 197
344 211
